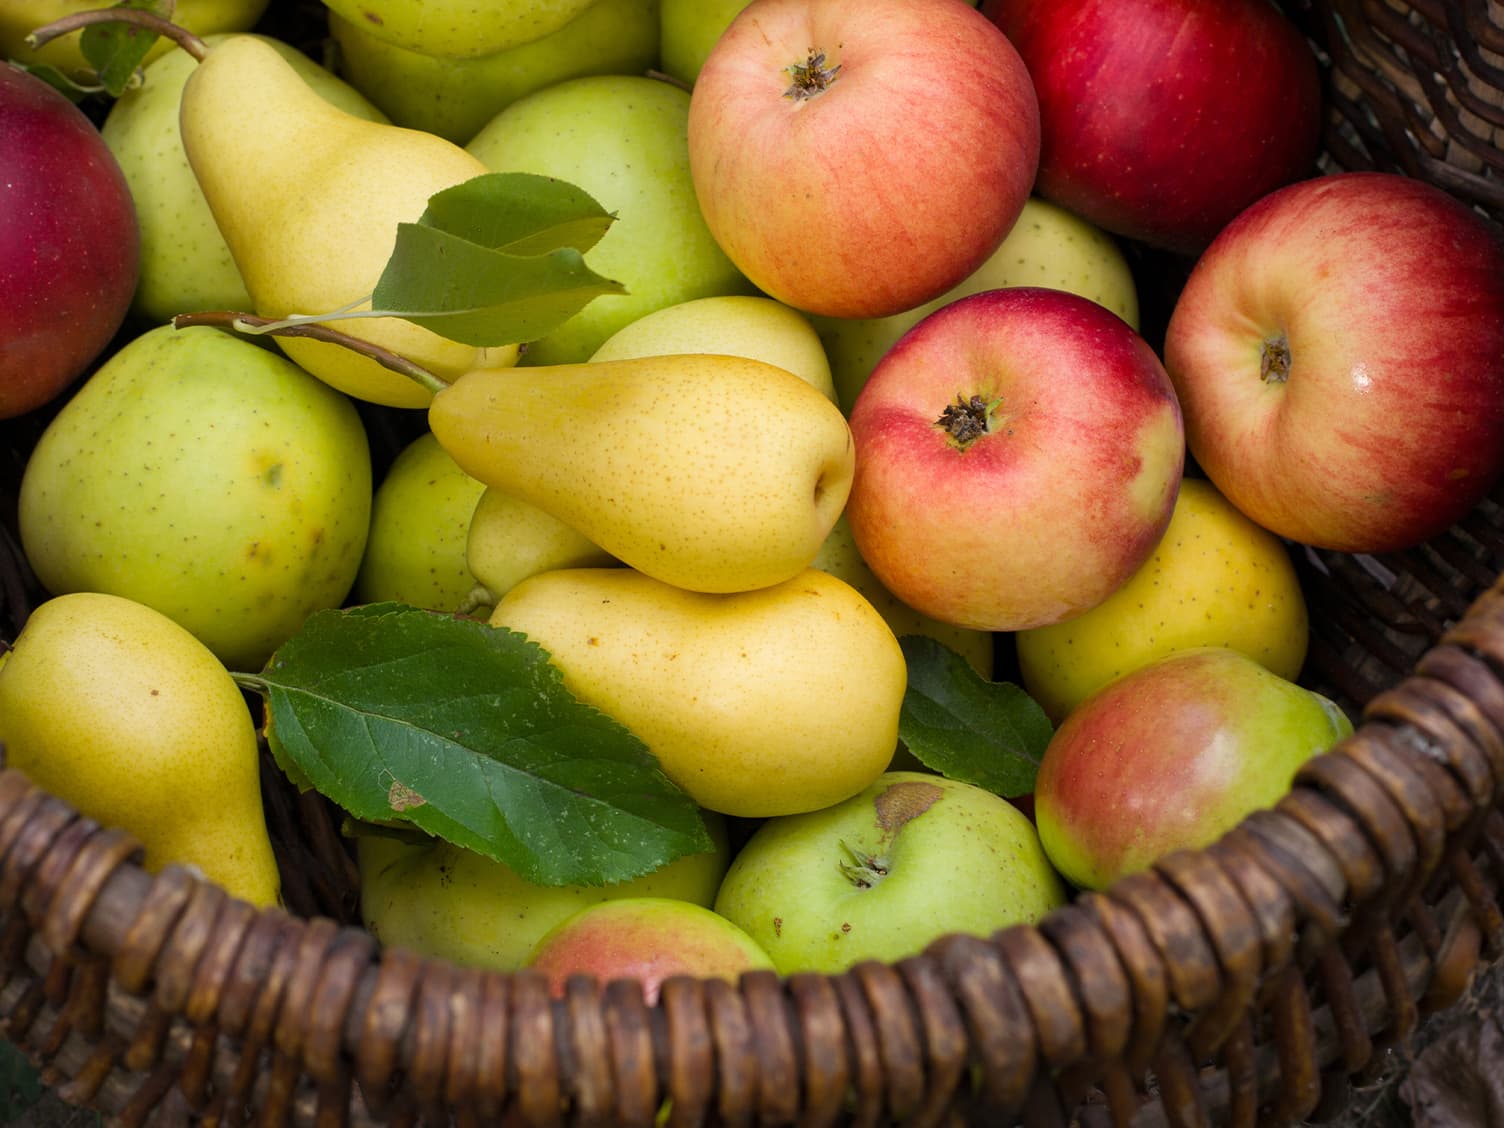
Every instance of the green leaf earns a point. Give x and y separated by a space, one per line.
481 296
991 734
117 50
520 213
467 732
73 91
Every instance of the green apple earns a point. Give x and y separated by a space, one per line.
208 477
649 939
460 28
840 557
623 139
737 324
19 18
185 264
420 526
688 30
879 876
1048 246
1172 756
1215 579
446 902
454 97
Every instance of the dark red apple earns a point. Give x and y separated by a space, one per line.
70 250
1160 120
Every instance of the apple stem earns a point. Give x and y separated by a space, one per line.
1274 363
139 17
252 325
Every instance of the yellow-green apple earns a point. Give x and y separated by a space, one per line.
1172 756
1160 120
208 477
622 138
837 172
1048 246
647 939
687 30
1215 579
1339 355
70 251
460 28
446 902
185 262
510 539
1018 454
454 97
747 325
879 876
19 18
420 530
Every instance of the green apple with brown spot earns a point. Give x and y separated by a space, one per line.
1171 757
908 859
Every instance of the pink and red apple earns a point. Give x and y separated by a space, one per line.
857 158
648 939
1172 756
1018 453
1339 355
70 250
1162 119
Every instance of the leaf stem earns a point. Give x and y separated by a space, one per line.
252 325
148 21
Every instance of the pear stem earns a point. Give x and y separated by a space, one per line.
279 327
139 17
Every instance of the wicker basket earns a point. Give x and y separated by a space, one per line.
1254 981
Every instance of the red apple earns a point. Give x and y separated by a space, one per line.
1162 119
69 246
1018 454
648 939
857 158
1339 355
1172 756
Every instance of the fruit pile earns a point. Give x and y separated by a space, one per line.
693 484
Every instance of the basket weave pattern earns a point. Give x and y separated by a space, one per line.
1251 982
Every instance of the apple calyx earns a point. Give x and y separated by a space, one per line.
810 77
968 419
1274 360
894 807
863 870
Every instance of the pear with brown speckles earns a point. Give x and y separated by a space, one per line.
711 473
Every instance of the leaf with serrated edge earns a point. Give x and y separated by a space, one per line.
480 296
521 213
468 732
991 734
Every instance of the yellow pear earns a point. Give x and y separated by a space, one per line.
714 473
758 703
115 709
510 540
185 264
308 198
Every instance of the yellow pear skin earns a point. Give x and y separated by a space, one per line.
760 703
308 198
118 711
712 473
